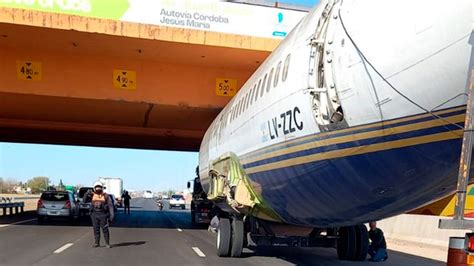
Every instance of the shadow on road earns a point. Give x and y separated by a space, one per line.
328 256
126 244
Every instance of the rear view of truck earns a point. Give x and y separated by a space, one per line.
113 186
201 207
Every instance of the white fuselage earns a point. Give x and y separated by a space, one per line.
422 48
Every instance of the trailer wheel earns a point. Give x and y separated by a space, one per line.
347 243
223 237
362 242
237 237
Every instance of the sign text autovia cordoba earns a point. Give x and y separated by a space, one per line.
194 20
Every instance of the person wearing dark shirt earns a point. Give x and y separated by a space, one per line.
126 202
378 246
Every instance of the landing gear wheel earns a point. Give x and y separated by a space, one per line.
347 243
237 237
362 242
223 237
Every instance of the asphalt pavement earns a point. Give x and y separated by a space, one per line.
149 236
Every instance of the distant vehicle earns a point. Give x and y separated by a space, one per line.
177 201
84 205
57 204
113 186
148 194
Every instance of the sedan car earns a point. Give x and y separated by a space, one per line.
57 204
177 201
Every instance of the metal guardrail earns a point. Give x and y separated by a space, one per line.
10 206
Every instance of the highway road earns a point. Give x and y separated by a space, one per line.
150 237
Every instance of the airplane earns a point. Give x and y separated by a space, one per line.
356 116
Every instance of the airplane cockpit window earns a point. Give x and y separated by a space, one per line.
270 77
285 68
277 75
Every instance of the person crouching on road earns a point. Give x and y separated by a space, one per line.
102 211
378 246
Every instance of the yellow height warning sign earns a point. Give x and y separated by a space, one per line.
28 70
125 79
226 87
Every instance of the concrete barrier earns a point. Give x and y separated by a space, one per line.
418 228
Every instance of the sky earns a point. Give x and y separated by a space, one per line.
139 169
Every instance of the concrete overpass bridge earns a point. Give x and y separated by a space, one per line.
152 75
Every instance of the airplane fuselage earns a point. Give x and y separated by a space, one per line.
356 116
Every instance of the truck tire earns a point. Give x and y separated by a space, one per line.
237 237
40 220
347 243
362 242
223 237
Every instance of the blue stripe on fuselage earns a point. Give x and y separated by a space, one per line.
323 136
350 144
356 189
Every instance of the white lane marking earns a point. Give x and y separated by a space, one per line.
63 248
179 229
20 222
199 252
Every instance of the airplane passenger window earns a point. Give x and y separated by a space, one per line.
241 106
269 83
252 93
277 74
285 68
258 87
233 113
247 98
244 104
237 111
263 86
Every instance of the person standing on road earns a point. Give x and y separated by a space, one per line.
102 212
126 201
378 246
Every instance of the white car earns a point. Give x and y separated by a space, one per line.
177 201
57 204
148 194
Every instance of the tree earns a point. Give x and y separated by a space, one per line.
7 185
61 185
38 184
